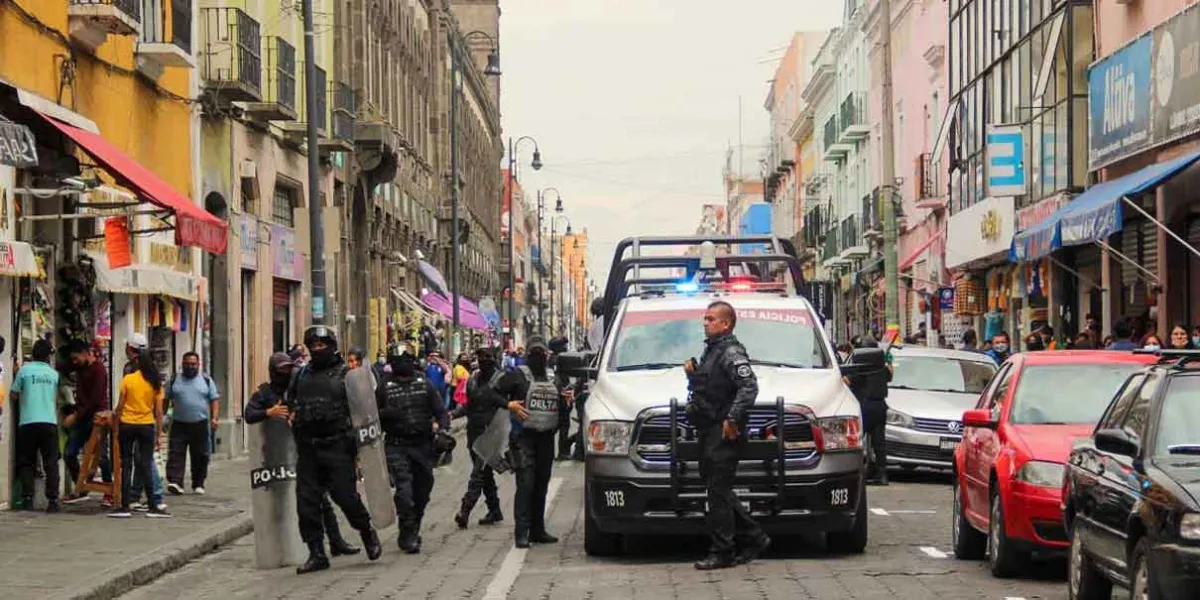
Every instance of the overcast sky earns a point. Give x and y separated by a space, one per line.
635 102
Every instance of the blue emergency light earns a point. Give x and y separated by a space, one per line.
687 287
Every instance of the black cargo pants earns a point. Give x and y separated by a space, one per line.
728 522
327 466
482 481
532 462
411 467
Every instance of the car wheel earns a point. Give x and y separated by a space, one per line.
1141 578
1084 582
1003 559
853 540
596 542
969 543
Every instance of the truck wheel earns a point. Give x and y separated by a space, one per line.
853 540
596 542
969 543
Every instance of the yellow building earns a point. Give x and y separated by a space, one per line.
574 252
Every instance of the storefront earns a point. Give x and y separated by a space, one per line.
978 241
287 271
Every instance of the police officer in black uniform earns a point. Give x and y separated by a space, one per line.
267 402
409 407
325 448
722 390
483 400
870 388
557 346
534 401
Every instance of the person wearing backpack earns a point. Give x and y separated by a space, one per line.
195 402
483 400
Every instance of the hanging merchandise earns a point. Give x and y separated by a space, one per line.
969 300
116 242
76 314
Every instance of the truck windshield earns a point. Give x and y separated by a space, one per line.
773 337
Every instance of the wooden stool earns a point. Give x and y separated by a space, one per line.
103 425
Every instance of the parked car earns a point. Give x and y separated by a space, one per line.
1009 466
929 391
1130 492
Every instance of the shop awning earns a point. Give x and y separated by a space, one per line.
916 254
143 281
468 312
194 226
17 259
1095 214
434 276
408 301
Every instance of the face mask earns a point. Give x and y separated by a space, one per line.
324 357
281 380
536 360
1196 340
1001 348
1152 347
381 361
487 365
191 372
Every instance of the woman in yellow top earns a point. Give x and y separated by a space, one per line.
139 417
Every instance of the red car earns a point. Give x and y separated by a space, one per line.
1008 469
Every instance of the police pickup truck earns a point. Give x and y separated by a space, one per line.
802 470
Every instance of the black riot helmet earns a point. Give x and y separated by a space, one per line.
598 307
558 345
322 333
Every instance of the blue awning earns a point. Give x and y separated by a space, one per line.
1095 214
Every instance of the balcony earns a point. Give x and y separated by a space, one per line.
853 119
872 220
91 21
829 249
928 190
834 150
345 106
297 130
166 37
853 246
231 61
811 230
279 94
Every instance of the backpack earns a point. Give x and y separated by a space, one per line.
170 390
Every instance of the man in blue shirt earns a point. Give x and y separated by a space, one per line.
1123 333
194 401
35 392
436 371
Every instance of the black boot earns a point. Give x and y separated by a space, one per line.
460 519
715 561
543 537
492 517
410 541
370 539
317 561
338 546
521 539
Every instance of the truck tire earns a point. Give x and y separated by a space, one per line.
596 542
853 540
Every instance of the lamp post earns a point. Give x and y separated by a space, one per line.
536 163
558 208
457 53
541 210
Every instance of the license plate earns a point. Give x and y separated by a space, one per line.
948 444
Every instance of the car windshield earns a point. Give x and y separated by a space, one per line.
940 374
1067 394
1179 425
775 337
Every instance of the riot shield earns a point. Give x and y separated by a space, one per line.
492 445
277 540
372 465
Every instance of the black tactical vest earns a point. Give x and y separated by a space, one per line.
411 399
541 402
321 407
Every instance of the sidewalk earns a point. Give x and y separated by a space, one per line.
80 553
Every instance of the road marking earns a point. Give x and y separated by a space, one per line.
880 512
1014 598
933 552
510 569
914 512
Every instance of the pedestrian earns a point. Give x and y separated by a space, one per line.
299 355
1084 341
999 351
354 357
35 392
483 400
1123 336
439 373
411 412
1180 339
970 340
268 402
558 346
135 348
1195 338
195 408
1034 343
1046 332
326 449
871 394
722 389
139 418
91 398
1151 342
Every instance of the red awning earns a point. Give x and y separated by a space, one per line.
194 226
916 254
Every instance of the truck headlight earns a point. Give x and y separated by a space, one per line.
899 419
1189 526
1041 473
839 433
609 437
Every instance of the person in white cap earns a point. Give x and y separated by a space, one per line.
133 348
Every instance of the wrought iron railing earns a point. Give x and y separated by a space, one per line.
132 8
849 232
344 108
853 110
871 218
281 72
831 131
926 177
830 248
157 30
233 47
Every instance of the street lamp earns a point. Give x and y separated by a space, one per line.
558 208
458 51
541 209
536 163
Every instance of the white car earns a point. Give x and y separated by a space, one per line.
929 391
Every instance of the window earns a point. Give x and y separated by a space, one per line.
987 400
283 205
1139 411
1179 423
939 374
1039 399
1116 412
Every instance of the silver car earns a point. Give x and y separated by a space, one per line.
929 391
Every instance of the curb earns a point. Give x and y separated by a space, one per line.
151 565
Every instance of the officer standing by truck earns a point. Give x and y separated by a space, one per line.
722 389
325 448
411 410
483 400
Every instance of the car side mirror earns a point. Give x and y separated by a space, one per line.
979 417
1117 441
576 364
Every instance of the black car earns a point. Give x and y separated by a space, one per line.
1131 489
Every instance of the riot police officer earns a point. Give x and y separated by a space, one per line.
722 390
325 448
409 406
558 346
535 399
483 400
267 402
870 388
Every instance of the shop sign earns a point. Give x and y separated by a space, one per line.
1005 174
982 230
286 261
8 179
1040 211
945 298
248 234
1177 77
17 146
1119 104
